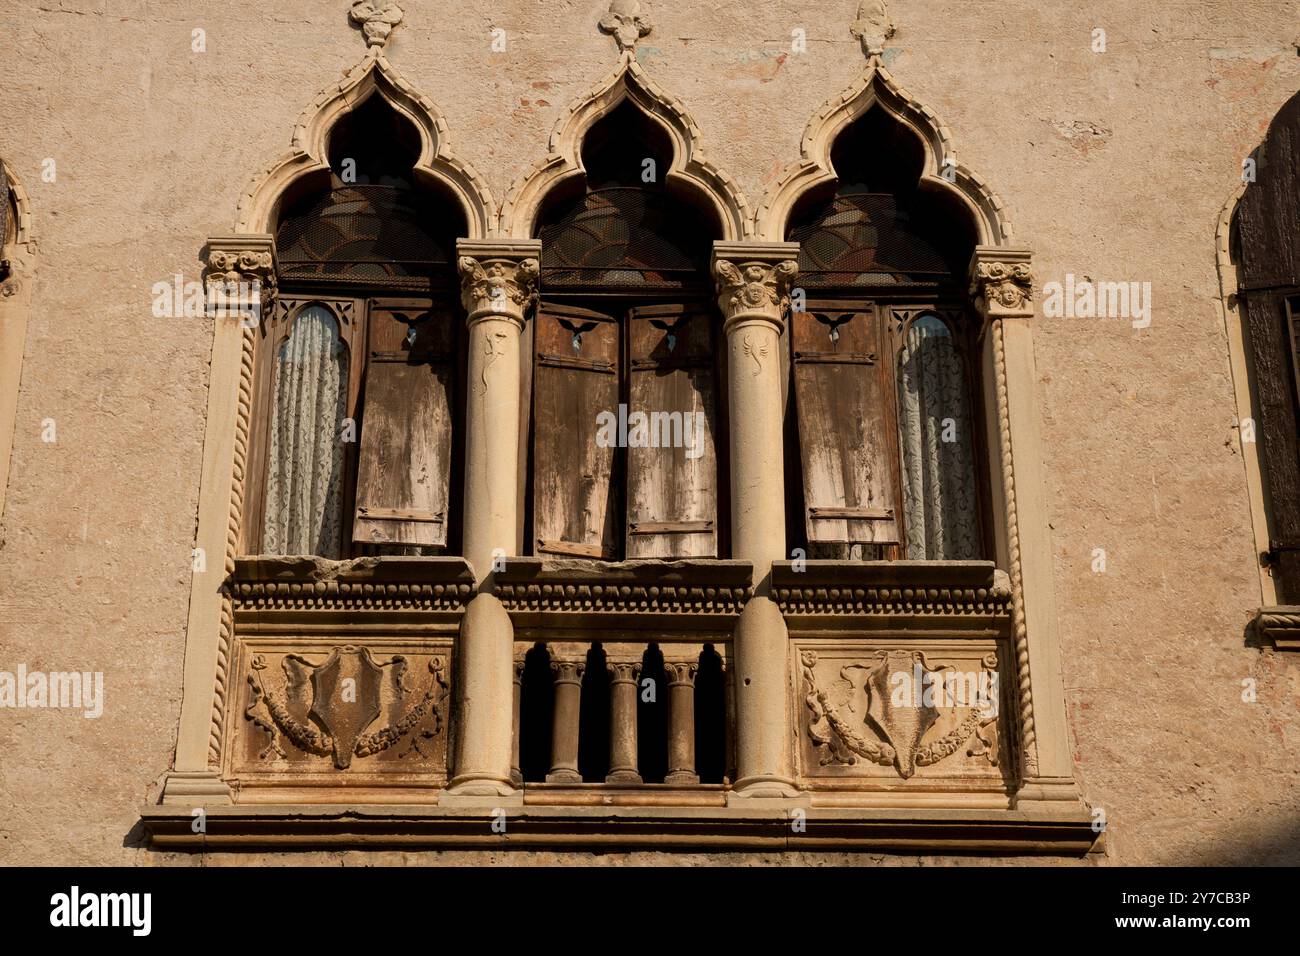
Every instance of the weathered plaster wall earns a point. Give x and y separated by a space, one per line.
1115 166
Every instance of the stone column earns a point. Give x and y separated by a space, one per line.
623 676
498 284
565 721
241 286
1002 289
681 722
753 281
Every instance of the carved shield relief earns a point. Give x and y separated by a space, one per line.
379 709
898 713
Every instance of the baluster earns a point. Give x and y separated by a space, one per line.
516 775
681 722
623 676
564 725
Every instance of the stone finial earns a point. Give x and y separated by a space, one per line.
376 18
627 23
873 27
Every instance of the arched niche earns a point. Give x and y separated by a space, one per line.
689 171
435 167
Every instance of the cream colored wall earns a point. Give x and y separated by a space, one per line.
1114 166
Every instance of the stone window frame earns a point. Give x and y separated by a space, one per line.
1000 287
15 313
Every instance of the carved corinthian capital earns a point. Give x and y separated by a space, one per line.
498 279
241 275
754 280
1002 283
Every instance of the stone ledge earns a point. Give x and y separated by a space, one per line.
269 583
1066 832
891 588
699 587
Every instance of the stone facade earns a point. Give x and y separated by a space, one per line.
143 144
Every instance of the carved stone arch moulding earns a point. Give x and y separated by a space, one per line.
17 267
373 76
941 172
563 161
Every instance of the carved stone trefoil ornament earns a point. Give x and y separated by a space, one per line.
873 27
627 23
376 19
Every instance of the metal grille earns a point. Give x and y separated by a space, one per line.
362 233
623 236
865 239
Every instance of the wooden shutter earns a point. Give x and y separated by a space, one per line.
576 378
848 432
1268 229
404 463
672 490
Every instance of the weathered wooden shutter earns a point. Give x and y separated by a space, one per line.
848 433
576 378
404 464
1268 225
672 464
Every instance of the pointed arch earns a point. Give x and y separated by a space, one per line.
22 205
437 166
877 88
690 168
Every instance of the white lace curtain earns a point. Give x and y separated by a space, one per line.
304 489
934 425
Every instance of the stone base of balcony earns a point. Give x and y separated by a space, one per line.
1063 832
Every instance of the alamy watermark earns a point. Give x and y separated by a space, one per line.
218 299
977 690
651 430
1085 299
76 690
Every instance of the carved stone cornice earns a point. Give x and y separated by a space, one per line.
1002 282
296 584
691 587
498 279
753 281
627 22
1279 626
873 27
891 588
376 19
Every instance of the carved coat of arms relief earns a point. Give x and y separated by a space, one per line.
329 707
883 710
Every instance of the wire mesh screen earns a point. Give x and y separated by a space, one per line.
362 233
624 236
865 239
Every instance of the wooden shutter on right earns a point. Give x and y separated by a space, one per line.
848 434
1268 232
672 485
575 379
404 465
